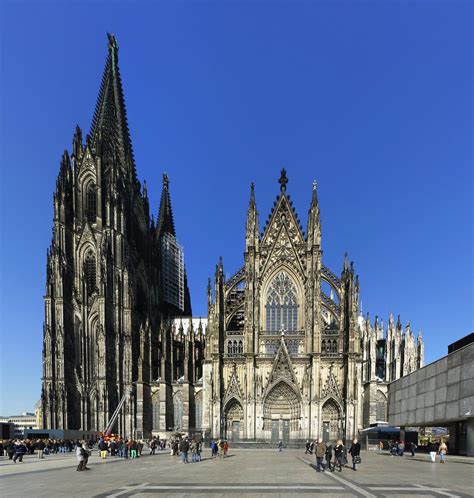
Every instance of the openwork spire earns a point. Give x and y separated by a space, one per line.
165 223
109 128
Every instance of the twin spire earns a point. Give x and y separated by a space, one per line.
109 129
165 222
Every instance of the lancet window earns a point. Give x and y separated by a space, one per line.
91 204
90 272
282 304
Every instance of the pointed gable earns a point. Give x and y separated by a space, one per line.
283 239
282 367
331 387
233 389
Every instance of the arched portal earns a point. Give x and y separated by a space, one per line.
282 412
233 420
331 421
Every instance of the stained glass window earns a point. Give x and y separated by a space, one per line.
282 304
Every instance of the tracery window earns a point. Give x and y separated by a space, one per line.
91 204
90 272
282 304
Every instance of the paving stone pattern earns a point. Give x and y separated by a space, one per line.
251 473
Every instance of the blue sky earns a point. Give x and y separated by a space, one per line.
371 99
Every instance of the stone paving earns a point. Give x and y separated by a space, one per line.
251 473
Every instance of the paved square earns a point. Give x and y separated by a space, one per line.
244 472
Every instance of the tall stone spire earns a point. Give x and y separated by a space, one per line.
109 129
313 230
252 226
165 222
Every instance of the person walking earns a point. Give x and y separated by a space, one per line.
153 446
413 447
20 450
193 451
307 447
103 448
40 447
328 457
354 451
442 451
220 445
82 455
380 446
198 451
320 451
226 447
184 448
339 451
280 445
433 452
134 449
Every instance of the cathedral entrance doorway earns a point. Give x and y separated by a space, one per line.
280 430
331 419
281 412
233 418
235 431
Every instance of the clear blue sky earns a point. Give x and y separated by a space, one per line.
371 99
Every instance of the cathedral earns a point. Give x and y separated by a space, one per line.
284 353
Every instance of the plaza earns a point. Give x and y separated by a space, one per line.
244 472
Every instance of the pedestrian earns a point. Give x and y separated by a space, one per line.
220 445
307 447
280 445
152 446
380 446
213 449
401 448
328 457
82 455
339 453
413 447
442 451
184 448
40 447
20 450
193 448
320 451
133 450
10 449
226 447
103 448
433 452
198 451
354 451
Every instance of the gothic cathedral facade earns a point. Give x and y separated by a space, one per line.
283 354
288 356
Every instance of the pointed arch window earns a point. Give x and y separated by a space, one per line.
282 304
90 272
91 204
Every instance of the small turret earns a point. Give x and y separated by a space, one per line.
252 229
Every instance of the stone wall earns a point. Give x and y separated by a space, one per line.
435 395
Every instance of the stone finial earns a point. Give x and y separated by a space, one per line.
283 180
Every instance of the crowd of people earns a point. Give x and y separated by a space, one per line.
15 449
329 456
333 457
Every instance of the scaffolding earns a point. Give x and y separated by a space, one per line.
172 271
